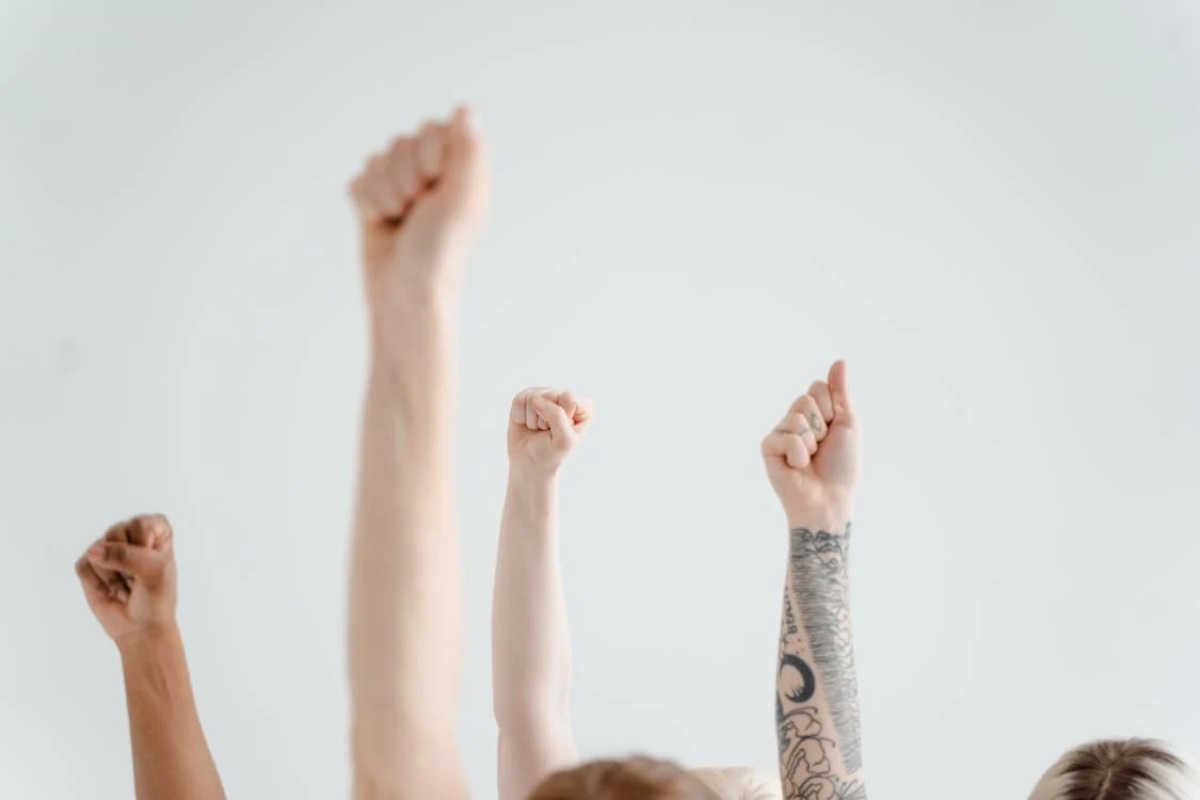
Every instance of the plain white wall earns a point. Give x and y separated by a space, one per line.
990 209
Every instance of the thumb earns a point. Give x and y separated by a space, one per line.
843 409
143 563
561 427
463 155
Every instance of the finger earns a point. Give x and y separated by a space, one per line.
151 530
142 563
843 409
584 409
531 415
462 152
577 410
403 170
796 424
429 151
798 454
118 532
516 413
93 585
368 212
819 391
561 427
807 408
787 446
382 190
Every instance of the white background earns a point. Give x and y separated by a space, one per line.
989 209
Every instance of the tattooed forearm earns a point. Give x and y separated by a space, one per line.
818 578
814 648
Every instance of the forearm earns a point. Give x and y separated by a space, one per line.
405 625
170 755
531 649
817 701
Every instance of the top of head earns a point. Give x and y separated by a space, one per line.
1124 769
637 778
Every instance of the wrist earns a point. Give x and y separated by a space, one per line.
828 518
531 482
532 490
149 642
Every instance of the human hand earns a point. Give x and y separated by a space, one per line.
421 204
543 426
128 577
812 455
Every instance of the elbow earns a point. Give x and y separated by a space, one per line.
526 718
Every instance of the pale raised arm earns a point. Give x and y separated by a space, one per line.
420 204
531 647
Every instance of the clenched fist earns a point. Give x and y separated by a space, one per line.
543 426
421 204
812 455
128 577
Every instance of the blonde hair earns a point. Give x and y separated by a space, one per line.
637 778
741 783
1119 769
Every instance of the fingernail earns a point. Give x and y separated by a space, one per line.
96 551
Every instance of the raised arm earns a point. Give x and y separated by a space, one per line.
128 577
812 461
420 205
531 649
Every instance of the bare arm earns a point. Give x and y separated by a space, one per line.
813 463
417 205
170 754
531 646
129 580
405 592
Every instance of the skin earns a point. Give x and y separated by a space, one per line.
421 204
531 647
812 462
128 578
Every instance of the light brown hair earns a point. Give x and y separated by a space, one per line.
637 778
1119 769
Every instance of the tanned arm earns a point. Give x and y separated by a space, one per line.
531 647
420 204
128 577
812 461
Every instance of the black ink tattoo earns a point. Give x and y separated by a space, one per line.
804 757
818 424
817 579
797 677
789 618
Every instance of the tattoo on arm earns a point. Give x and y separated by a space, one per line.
817 581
